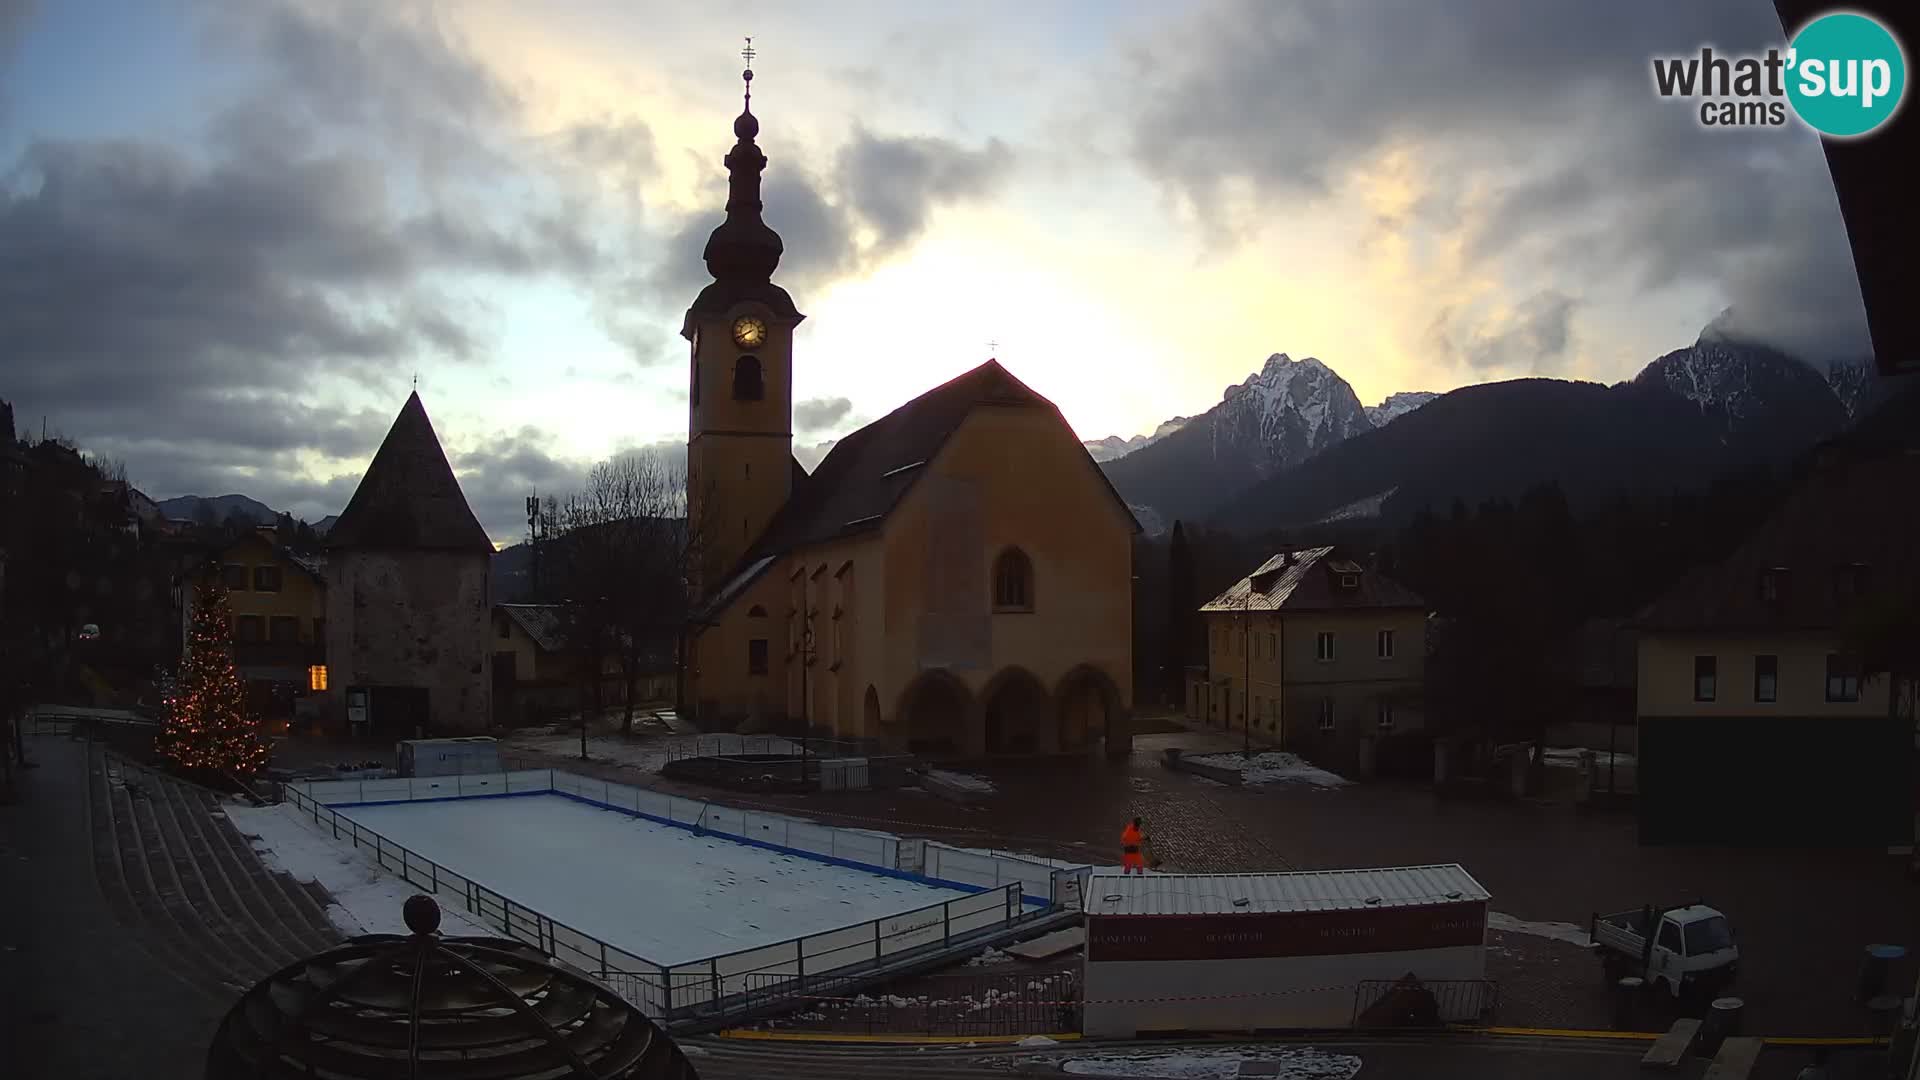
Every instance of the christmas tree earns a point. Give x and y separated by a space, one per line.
208 725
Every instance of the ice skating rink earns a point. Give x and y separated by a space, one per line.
659 892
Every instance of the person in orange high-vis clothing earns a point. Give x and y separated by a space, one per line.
1132 844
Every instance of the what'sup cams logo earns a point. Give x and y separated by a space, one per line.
1843 75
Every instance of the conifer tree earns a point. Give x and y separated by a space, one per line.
208 726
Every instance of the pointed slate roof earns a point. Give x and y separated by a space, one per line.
1302 580
408 498
867 473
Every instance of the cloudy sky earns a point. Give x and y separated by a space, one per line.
233 231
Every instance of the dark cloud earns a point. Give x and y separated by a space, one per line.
894 183
886 186
1535 125
498 474
325 233
818 414
1534 339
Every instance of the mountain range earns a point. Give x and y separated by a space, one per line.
1292 445
216 509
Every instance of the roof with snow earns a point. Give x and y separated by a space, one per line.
1308 579
867 473
1252 894
1846 534
409 498
546 624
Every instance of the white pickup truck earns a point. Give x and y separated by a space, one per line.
1689 947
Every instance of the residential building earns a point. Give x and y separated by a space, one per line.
1318 653
955 577
1756 724
409 619
538 673
278 603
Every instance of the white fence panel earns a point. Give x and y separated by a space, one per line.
839 948
817 839
530 780
911 930
978 912
330 791
394 790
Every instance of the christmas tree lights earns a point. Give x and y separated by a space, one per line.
208 726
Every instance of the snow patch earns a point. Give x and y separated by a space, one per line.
1037 1040
366 899
1274 766
990 958
1557 931
963 781
1303 1063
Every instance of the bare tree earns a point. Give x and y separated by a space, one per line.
622 550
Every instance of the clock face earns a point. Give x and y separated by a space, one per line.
749 332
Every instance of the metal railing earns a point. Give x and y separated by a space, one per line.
710 986
1415 1003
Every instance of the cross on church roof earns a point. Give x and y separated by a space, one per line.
747 53
993 348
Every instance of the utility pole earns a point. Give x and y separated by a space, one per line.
1246 658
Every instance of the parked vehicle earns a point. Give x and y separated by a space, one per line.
1688 947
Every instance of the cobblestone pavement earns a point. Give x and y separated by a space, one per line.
1803 918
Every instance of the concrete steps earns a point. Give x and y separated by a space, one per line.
176 869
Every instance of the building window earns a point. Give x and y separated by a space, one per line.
1383 644
317 677
1013 581
693 381
1273 645
320 631
1323 649
757 656
1766 678
1349 581
283 630
747 384
247 629
1843 678
1327 714
503 630
1259 709
1773 584
1705 677
266 579
234 577
1383 715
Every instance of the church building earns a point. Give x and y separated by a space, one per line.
955 578
408 609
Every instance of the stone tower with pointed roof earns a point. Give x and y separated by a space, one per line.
408 609
955 578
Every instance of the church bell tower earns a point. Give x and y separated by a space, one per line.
740 389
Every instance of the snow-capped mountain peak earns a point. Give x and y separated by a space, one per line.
1734 379
1292 408
1398 405
1113 446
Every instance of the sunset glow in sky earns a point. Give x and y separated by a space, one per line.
233 231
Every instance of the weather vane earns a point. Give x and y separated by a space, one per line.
748 54
993 348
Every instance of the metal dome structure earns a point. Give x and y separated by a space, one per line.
400 1006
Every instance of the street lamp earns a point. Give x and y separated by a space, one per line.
806 692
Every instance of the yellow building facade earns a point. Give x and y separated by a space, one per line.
953 579
1318 653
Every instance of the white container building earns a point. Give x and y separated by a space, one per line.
1250 952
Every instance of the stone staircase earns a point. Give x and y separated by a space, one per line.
176 871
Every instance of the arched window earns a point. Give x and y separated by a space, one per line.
1013 581
756 612
747 384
